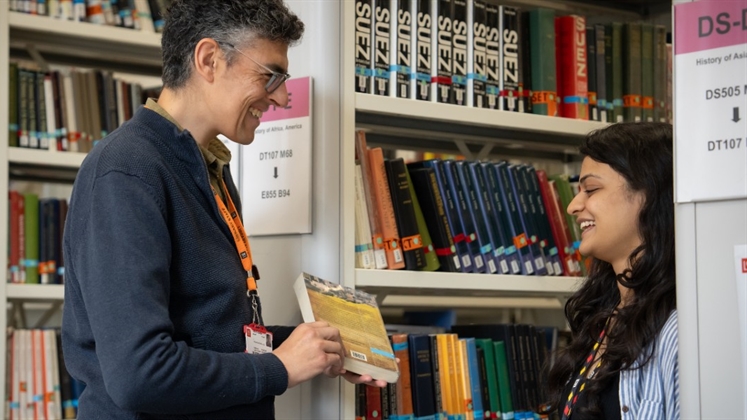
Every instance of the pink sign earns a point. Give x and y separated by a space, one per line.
299 91
708 24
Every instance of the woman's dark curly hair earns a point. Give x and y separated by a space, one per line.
233 22
642 154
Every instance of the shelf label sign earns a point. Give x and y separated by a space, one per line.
710 48
276 167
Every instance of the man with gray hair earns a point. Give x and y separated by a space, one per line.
162 316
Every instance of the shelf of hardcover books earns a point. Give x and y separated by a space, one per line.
84 40
462 227
35 292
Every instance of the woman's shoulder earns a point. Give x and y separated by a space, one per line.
667 340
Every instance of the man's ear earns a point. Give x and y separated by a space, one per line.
206 58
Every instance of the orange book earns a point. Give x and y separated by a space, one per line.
361 152
383 203
404 386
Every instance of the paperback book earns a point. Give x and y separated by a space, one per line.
356 314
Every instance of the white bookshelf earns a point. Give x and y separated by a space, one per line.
44 158
422 283
43 292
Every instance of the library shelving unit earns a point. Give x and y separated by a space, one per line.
43 39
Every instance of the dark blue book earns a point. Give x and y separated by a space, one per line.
468 225
421 376
478 216
527 222
452 217
510 204
494 230
501 219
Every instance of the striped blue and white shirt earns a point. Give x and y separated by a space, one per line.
653 392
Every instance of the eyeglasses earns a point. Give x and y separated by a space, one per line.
276 79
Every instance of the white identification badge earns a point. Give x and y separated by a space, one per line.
258 339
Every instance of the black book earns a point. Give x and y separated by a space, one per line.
363 62
421 375
423 49
459 52
382 26
478 216
444 57
403 61
479 40
434 212
404 213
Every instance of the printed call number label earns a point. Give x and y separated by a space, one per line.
725 144
282 193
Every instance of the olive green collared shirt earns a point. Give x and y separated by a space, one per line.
216 155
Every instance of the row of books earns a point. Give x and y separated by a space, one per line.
40 386
474 372
461 216
67 110
35 239
481 54
144 15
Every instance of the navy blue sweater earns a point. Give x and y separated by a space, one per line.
155 294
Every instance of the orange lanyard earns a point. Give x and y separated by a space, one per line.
232 219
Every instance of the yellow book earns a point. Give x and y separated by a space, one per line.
356 314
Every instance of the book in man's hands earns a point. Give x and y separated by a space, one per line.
356 314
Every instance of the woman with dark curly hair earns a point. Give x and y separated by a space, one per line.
622 360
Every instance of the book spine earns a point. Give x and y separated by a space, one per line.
431 257
508 19
660 76
403 62
526 219
468 226
422 40
494 230
478 217
492 51
632 89
13 105
443 60
518 233
382 44
460 46
647 72
591 54
613 71
525 63
386 210
542 42
457 231
601 68
572 74
421 376
404 214
501 220
479 39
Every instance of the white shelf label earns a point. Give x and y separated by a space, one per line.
711 100
276 167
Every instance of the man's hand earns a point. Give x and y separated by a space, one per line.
311 349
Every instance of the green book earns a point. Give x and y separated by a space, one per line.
632 83
31 237
431 259
494 403
542 51
660 73
13 106
613 68
504 383
647 72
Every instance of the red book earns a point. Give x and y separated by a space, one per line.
555 216
572 70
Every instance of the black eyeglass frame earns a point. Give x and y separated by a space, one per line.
276 78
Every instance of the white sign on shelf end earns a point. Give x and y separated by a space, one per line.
276 167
